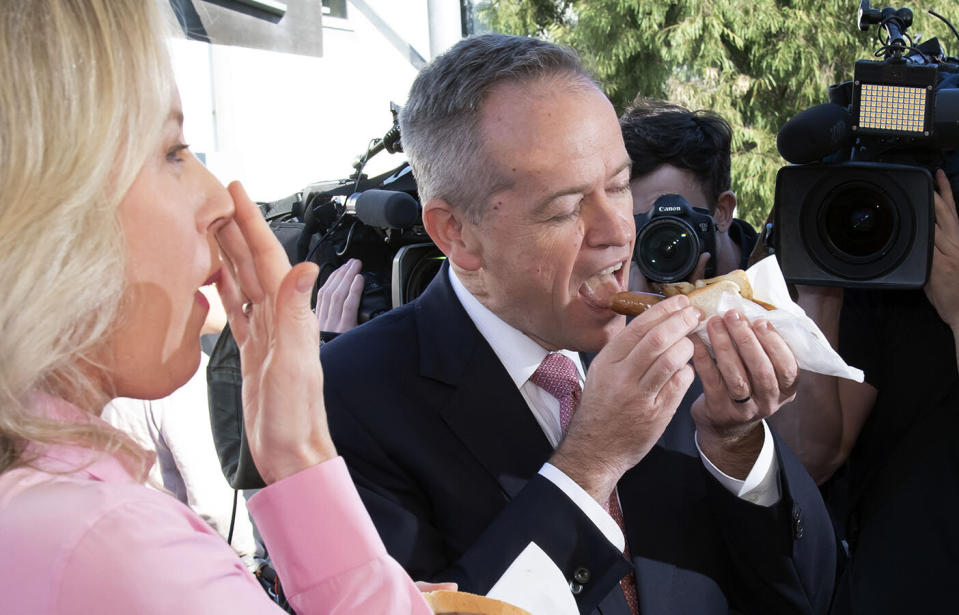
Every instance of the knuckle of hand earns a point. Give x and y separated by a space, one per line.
687 348
791 378
744 336
738 384
673 360
722 344
657 340
766 380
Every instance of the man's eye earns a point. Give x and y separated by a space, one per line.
568 214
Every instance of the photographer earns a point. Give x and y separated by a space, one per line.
677 151
885 450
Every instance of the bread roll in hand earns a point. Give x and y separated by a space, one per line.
463 603
704 294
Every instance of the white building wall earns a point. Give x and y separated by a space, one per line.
279 122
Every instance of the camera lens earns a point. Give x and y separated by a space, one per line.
667 249
859 221
422 274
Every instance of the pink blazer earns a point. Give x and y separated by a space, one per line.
79 535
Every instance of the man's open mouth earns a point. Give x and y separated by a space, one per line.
597 290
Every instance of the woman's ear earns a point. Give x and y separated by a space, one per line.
725 210
452 234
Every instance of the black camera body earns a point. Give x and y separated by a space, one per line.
856 209
670 238
377 221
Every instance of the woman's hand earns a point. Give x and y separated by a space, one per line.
268 305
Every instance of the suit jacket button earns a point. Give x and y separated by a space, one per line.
581 575
799 525
576 588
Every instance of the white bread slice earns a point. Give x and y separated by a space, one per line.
736 275
707 297
463 603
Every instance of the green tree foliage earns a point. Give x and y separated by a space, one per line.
756 62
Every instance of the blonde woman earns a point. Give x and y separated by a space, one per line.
108 229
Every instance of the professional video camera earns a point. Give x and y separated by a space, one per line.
858 200
671 236
376 220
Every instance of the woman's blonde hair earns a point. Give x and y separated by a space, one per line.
86 88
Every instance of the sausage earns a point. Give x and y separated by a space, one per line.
633 304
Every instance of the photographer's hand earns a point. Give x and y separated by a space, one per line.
943 285
268 305
338 300
753 365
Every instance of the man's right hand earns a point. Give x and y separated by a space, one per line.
634 387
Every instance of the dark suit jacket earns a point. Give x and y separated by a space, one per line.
445 452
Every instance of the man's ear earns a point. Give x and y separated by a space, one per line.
725 209
452 234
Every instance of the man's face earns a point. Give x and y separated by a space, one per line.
555 238
667 179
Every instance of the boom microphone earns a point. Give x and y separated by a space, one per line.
384 208
815 133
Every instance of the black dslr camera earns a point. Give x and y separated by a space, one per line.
856 208
670 238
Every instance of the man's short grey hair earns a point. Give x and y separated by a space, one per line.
439 125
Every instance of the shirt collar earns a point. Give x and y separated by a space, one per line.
67 458
518 353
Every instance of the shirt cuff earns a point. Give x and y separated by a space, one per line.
305 548
762 483
590 507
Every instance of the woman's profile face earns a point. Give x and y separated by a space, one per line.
168 219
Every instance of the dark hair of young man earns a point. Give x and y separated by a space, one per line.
657 132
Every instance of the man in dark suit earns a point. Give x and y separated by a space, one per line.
461 415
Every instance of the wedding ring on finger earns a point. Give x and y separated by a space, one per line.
743 400
247 309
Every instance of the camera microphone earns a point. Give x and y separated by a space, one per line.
815 133
384 208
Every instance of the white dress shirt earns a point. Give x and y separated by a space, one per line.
520 355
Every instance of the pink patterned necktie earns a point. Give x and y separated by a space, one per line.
558 376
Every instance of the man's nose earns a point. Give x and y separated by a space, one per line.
610 223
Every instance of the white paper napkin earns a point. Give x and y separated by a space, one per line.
812 350
535 583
